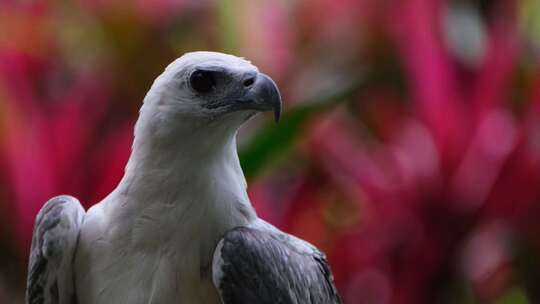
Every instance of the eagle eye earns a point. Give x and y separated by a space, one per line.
202 81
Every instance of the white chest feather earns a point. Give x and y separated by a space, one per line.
159 251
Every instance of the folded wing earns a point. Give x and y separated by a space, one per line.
267 266
50 277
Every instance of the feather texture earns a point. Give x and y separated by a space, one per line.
266 266
50 271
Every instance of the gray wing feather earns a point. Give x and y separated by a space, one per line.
257 266
56 230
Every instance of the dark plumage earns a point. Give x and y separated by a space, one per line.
266 267
55 234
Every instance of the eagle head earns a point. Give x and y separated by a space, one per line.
207 90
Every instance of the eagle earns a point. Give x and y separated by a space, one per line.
179 227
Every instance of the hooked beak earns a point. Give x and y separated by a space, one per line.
262 95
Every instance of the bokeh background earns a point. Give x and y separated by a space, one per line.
409 150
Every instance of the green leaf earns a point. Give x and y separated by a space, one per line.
514 296
272 140
227 15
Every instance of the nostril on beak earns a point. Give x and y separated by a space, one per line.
249 81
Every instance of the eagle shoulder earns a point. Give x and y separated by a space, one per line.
57 226
266 266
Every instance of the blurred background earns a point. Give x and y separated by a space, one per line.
409 150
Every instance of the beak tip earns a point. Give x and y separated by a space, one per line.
278 106
277 114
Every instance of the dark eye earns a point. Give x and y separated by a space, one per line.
202 81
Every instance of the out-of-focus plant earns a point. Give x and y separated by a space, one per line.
409 150
426 183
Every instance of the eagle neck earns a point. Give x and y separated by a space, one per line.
196 168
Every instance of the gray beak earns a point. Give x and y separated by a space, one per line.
262 95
